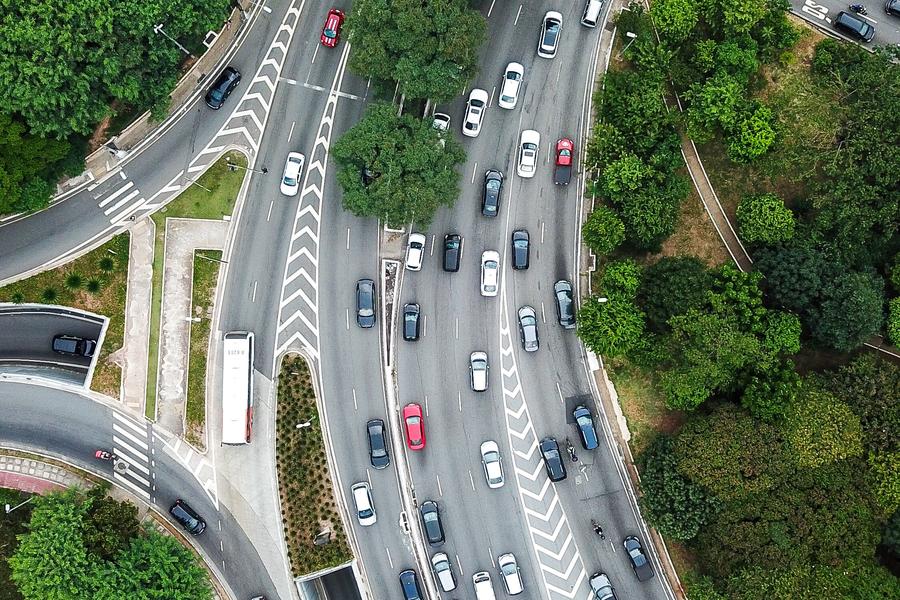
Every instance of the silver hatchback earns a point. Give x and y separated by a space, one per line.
528 329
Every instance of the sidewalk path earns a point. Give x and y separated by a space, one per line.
35 476
135 350
183 236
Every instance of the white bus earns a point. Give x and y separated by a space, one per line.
237 387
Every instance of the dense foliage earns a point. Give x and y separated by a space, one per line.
429 48
413 171
763 218
91 546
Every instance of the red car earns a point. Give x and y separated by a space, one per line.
331 32
415 426
565 149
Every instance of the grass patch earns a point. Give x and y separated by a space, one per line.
197 203
642 403
206 273
307 499
96 282
11 525
695 235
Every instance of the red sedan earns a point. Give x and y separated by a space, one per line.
415 426
331 32
565 149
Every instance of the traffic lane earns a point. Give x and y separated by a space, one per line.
340 585
823 12
41 237
28 332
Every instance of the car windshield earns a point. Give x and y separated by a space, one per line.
330 33
522 244
513 75
529 146
413 421
527 320
565 152
490 265
217 94
552 453
289 181
475 103
584 420
452 244
479 365
493 184
411 317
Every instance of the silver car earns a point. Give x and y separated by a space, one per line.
493 465
478 371
528 329
490 273
509 573
601 587
551 28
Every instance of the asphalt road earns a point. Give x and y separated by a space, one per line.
887 27
87 218
79 426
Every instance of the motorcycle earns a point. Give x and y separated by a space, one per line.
571 450
859 9
105 455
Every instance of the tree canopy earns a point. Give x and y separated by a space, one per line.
430 48
413 169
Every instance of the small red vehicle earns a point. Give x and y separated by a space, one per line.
331 31
565 158
415 426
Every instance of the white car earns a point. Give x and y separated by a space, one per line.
551 28
475 107
509 573
484 590
362 498
415 252
442 124
478 369
493 466
512 81
443 572
490 272
529 147
293 171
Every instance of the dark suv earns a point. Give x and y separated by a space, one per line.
378 450
520 249
452 252
565 307
74 346
493 186
222 88
187 517
409 583
854 27
365 303
411 322
556 469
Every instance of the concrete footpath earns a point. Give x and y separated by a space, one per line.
35 476
136 347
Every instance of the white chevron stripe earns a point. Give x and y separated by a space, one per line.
309 209
303 251
299 292
300 272
306 231
564 575
298 315
539 496
555 555
550 537
294 338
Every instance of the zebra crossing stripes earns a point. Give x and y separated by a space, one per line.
131 446
118 197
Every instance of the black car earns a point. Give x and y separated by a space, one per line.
521 248
365 303
222 88
74 346
556 469
892 7
411 322
639 562
452 252
409 582
586 429
431 521
187 517
854 27
565 307
490 200
378 450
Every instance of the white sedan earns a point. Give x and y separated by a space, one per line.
493 467
475 107
512 81
529 146
415 252
490 272
293 171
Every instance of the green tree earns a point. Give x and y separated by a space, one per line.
763 218
670 502
753 135
675 19
63 63
610 328
712 105
672 286
430 48
26 164
603 231
890 539
621 278
624 175
821 429
884 470
740 18
712 450
893 321
109 525
415 174
795 275
851 311
812 582
767 395
651 213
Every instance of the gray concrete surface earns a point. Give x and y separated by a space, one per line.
135 350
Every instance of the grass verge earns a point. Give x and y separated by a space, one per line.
206 273
213 200
96 282
11 525
307 499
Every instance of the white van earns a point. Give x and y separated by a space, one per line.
591 14
362 497
441 565
483 588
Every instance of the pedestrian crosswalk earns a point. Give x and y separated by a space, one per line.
132 449
118 197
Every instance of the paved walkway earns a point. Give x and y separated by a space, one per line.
35 476
135 350
183 237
